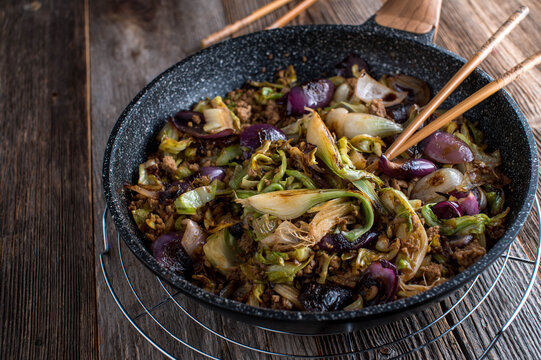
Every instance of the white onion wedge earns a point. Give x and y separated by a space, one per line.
368 89
347 124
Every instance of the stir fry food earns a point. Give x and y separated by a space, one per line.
278 195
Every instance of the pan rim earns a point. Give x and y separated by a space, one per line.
403 305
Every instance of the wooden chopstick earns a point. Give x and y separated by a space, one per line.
291 14
237 25
474 99
457 79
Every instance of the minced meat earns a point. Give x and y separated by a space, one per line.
431 272
272 112
168 164
468 255
243 110
376 107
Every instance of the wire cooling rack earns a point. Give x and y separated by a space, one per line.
483 285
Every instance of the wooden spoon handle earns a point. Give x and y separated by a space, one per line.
415 16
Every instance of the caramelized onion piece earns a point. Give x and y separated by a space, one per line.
378 284
418 90
168 251
368 89
253 136
182 121
313 95
407 169
447 209
445 148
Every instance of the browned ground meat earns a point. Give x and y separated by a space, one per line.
410 245
168 164
482 173
308 269
279 302
272 112
334 264
377 108
193 167
399 184
431 272
468 255
496 232
431 232
243 110
246 243
236 274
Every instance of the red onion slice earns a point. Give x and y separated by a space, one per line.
212 172
338 242
445 148
477 192
407 169
459 241
447 210
177 188
313 94
194 236
168 251
418 90
253 136
469 204
384 276
184 117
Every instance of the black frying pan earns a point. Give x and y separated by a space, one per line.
228 65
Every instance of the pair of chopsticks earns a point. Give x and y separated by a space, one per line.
408 139
256 15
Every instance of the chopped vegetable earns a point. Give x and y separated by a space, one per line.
350 124
463 225
368 89
291 204
285 273
229 153
221 251
190 201
253 198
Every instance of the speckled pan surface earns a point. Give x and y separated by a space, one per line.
228 65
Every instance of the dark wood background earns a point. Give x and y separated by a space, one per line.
67 69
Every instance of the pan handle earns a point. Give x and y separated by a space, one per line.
416 19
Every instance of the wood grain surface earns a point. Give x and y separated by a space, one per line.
48 296
69 68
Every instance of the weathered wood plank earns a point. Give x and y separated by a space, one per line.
46 250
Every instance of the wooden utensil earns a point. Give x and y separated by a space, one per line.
239 24
256 15
474 99
457 79
296 11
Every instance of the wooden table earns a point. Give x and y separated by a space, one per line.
67 69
